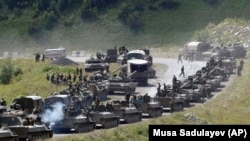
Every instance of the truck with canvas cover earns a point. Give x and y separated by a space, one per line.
195 49
30 103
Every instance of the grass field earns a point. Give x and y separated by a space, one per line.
231 106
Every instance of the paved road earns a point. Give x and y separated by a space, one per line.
173 68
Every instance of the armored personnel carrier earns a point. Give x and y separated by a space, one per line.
7 135
168 100
95 64
26 129
119 84
151 108
127 112
103 118
76 124
70 111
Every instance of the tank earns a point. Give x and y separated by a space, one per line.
151 109
119 84
95 65
7 135
26 129
127 112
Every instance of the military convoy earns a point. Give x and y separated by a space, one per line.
32 118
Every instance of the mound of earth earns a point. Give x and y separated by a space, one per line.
62 61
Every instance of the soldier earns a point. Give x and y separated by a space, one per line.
146 98
109 107
3 102
43 57
191 81
239 70
80 71
77 70
174 83
182 71
74 77
164 86
241 64
69 77
47 77
97 103
179 58
127 97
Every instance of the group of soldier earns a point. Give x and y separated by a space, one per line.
3 102
190 57
38 56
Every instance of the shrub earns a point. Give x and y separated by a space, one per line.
17 71
6 72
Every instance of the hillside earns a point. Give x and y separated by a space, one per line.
83 25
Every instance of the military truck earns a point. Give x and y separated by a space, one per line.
143 54
137 69
194 50
111 55
26 128
30 103
7 135
127 112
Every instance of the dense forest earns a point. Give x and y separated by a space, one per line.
40 23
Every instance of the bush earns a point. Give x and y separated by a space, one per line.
6 72
17 71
